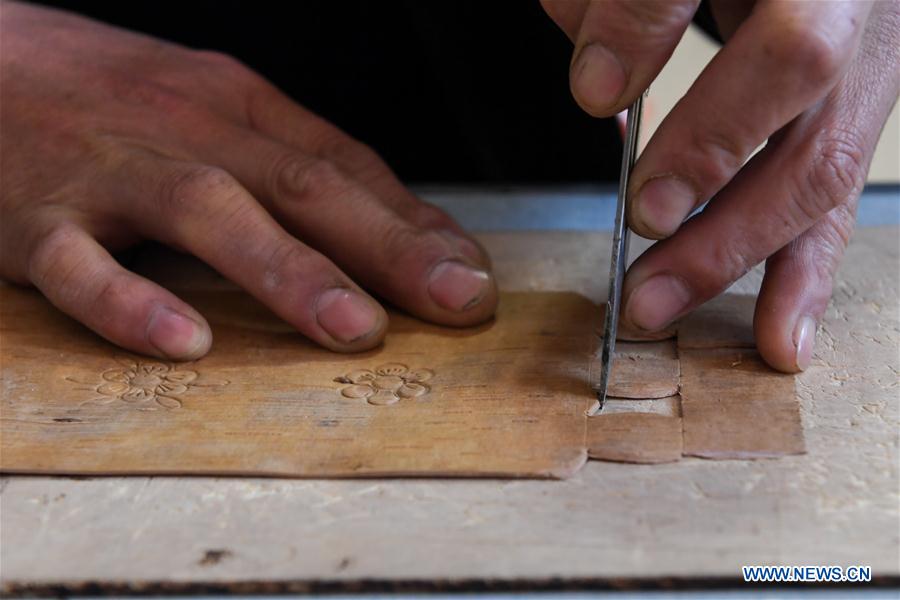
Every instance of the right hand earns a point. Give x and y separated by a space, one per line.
109 138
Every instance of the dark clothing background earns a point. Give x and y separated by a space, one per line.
444 90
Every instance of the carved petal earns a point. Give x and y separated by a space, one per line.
387 382
153 368
357 391
170 389
419 375
137 394
184 377
112 388
167 402
358 376
391 369
411 390
384 397
116 375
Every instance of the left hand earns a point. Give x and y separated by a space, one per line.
815 79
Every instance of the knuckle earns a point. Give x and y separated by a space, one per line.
293 266
838 224
719 155
149 94
836 175
115 293
225 65
730 260
405 247
345 150
307 179
811 51
818 56
189 190
820 250
834 178
46 263
658 14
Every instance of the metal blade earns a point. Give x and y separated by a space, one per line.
619 258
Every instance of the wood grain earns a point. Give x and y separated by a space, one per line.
643 370
610 525
734 406
634 438
505 399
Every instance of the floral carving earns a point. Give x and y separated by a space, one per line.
386 384
145 384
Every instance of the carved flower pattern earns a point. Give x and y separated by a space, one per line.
386 384
146 383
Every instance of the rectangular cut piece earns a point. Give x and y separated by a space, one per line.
645 365
724 322
504 399
634 438
641 370
735 406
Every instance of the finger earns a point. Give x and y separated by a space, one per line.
782 60
425 272
255 103
621 47
80 278
278 117
796 290
205 211
816 165
567 14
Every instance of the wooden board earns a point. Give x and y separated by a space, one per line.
735 406
610 524
645 437
268 402
504 399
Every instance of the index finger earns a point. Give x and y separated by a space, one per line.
786 57
621 47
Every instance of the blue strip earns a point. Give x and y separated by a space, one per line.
590 208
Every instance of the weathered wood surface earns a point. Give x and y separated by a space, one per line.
837 504
642 370
638 437
505 399
734 406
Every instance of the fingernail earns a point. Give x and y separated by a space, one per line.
804 341
663 203
346 315
657 302
599 77
176 335
456 286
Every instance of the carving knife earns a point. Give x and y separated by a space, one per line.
619 254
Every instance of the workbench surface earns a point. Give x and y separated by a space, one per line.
694 519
